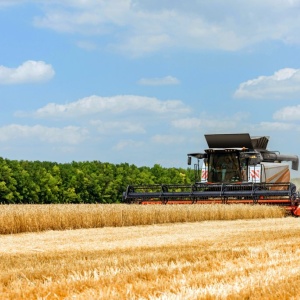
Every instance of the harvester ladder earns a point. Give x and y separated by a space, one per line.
197 172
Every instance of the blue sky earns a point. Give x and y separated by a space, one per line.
142 81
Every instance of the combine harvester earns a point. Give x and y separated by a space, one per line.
236 168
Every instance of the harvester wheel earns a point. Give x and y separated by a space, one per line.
224 200
164 201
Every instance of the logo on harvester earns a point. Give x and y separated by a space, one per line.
255 174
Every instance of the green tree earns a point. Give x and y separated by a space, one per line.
8 184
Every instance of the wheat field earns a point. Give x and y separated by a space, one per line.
35 218
238 259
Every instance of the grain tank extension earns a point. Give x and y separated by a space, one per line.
236 168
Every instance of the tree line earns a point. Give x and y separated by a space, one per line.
78 182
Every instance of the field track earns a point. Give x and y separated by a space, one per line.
239 259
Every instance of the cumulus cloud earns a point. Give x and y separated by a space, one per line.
207 122
168 139
277 131
5 3
29 72
284 83
274 126
139 27
167 80
288 113
68 135
196 123
128 144
87 45
116 104
117 127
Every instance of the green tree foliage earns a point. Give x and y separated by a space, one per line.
79 182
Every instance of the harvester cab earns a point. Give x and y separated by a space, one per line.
235 168
234 158
222 165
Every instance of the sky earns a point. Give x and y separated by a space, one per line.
142 81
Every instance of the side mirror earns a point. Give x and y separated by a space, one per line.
189 161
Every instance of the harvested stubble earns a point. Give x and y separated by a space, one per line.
35 218
241 259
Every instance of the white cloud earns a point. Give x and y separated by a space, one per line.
288 113
284 83
128 144
167 80
187 123
116 104
274 126
87 45
208 122
85 17
117 127
139 27
5 3
29 71
168 139
68 135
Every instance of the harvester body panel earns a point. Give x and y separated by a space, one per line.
275 172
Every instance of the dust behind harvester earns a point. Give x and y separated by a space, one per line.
236 168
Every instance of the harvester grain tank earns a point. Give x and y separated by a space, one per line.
235 168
